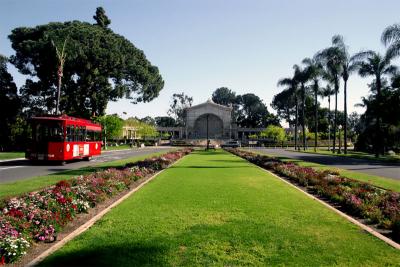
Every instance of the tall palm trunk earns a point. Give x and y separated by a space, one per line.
316 115
378 139
303 104
329 121
335 116
297 122
345 116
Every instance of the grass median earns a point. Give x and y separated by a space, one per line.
11 155
383 182
213 208
354 154
38 182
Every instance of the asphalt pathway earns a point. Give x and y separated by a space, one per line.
379 168
23 169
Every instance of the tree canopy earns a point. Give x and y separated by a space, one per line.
100 66
178 107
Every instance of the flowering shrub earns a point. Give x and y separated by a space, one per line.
378 205
39 216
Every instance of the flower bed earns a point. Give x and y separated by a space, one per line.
379 206
39 216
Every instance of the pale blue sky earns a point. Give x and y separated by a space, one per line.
202 45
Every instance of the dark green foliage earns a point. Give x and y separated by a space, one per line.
100 66
165 121
10 106
224 96
101 18
254 113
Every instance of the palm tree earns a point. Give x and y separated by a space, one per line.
371 63
327 92
302 76
391 37
292 85
314 69
331 58
347 68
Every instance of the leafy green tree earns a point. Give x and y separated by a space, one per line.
10 106
371 63
178 107
112 126
165 121
274 132
391 39
254 113
101 18
227 97
149 120
100 66
224 96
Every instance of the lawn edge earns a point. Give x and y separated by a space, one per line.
349 218
379 160
92 221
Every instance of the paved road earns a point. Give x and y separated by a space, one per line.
22 169
389 170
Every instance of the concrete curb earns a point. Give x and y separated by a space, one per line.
354 221
92 221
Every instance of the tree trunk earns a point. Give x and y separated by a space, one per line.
345 116
316 116
303 96
335 116
378 139
329 122
296 123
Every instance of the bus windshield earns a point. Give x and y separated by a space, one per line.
48 131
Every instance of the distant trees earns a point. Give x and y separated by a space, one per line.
275 133
248 109
100 66
330 66
112 126
177 108
165 121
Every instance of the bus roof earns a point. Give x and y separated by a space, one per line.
66 118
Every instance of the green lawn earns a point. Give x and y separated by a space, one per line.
213 208
120 147
35 183
354 154
383 182
11 155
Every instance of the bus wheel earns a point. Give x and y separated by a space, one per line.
87 158
62 162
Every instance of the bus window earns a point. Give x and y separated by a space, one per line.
48 131
70 133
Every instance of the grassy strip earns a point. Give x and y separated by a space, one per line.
213 208
353 154
11 155
36 183
383 182
120 147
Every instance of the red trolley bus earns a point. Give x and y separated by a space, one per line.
62 138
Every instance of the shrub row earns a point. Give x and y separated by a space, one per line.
39 216
377 205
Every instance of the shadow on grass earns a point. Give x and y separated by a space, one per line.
112 255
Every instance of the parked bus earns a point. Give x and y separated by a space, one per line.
62 138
